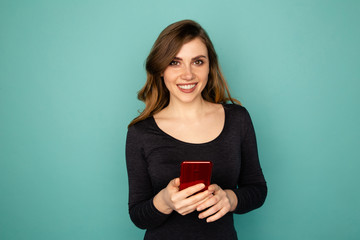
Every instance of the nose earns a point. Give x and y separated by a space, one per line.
187 73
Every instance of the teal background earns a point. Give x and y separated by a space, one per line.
69 74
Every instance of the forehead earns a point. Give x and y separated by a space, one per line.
193 48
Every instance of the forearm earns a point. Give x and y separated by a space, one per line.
146 216
250 197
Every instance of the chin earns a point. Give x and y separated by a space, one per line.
188 100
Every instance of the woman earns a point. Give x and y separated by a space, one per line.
187 117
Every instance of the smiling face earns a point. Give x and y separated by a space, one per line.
187 75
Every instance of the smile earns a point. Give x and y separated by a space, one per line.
187 86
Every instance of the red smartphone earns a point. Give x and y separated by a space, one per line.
194 172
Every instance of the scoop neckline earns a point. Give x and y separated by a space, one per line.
190 143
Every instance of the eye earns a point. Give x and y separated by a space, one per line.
198 62
174 63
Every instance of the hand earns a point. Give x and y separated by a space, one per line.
222 202
183 202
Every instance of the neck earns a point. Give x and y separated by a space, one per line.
187 110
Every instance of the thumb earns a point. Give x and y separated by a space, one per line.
176 182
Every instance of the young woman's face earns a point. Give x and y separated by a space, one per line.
187 74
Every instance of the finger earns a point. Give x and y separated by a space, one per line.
182 202
198 198
193 189
214 209
187 209
214 187
175 182
217 216
212 201
190 208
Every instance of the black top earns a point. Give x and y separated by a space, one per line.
153 159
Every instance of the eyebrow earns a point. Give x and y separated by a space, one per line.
194 58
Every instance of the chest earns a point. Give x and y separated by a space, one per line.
165 157
197 131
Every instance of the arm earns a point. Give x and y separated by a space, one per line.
252 190
142 211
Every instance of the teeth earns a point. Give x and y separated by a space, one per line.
189 86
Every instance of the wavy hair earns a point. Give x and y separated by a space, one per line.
154 93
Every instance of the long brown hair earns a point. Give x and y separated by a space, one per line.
167 45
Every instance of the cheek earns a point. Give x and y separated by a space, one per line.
167 85
168 80
205 70
169 75
204 74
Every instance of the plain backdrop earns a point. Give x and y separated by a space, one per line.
69 75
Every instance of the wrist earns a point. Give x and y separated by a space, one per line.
160 203
232 199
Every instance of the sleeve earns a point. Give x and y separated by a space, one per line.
252 188
141 207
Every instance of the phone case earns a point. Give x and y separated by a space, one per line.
194 172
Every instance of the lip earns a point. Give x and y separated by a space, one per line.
187 87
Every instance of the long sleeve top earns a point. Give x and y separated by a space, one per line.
153 159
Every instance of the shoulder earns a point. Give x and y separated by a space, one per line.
140 128
237 115
236 110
